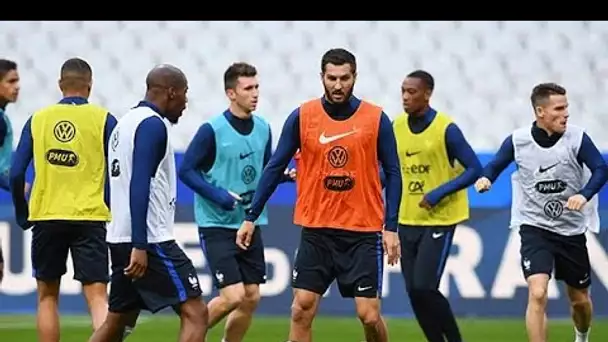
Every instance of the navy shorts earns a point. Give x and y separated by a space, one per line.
542 250
170 279
424 252
228 263
84 240
355 260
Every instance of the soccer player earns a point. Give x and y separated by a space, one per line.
68 205
149 270
222 165
9 92
551 188
437 165
339 198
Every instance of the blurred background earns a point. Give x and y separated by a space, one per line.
484 72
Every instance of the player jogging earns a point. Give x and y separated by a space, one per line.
149 270
222 165
67 142
9 92
437 165
339 198
550 189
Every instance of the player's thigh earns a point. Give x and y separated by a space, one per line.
220 249
170 279
123 297
536 251
572 263
409 238
50 247
360 264
313 268
433 252
252 262
90 252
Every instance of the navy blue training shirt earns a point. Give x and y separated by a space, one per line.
4 178
588 155
289 143
25 152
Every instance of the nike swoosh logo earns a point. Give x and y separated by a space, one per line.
437 235
545 169
326 140
409 154
360 289
245 155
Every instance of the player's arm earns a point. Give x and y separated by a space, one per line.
200 156
289 143
268 153
21 160
4 178
150 144
459 149
389 159
502 159
590 156
111 122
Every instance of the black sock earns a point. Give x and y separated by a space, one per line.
441 314
424 312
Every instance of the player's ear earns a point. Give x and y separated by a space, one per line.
60 84
427 94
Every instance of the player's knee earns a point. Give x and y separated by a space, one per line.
252 297
233 295
303 307
368 311
579 299
194 312
537 293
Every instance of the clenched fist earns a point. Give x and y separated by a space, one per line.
482 185
576 202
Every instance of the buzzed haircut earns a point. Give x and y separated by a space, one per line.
339 56
76 73
425 77
6 66
236 70
165 76
542 92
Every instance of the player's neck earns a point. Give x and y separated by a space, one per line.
75 94
3 104
545 129
421 113
239 112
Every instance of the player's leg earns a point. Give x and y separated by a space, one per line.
49 256
573 267
220 249
537 265
90 256
171 281
311 276
253 272
360 265
124 300
1 264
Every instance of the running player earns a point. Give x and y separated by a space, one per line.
9 92
551 188
437 165
149 270
339 198
67 142
222 166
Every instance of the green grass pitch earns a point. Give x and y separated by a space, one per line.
162 328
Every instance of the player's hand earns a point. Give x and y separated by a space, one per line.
390 240
244 234
26 189
576 202
425 204
138 263
291 173
482 185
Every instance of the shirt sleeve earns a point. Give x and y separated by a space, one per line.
387 154
150 145
502 159
288 144
107 132
589 155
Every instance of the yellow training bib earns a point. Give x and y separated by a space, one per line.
70 163
424 167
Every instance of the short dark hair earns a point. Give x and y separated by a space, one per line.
425 77
339 56
236 70
76 66
543 91
6 65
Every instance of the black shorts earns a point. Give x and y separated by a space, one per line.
170 279
230 264
424 252
541 250
355 260
84 240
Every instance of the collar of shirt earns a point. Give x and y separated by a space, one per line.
542 137
151 106
74 100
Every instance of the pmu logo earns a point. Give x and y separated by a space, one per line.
61 157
